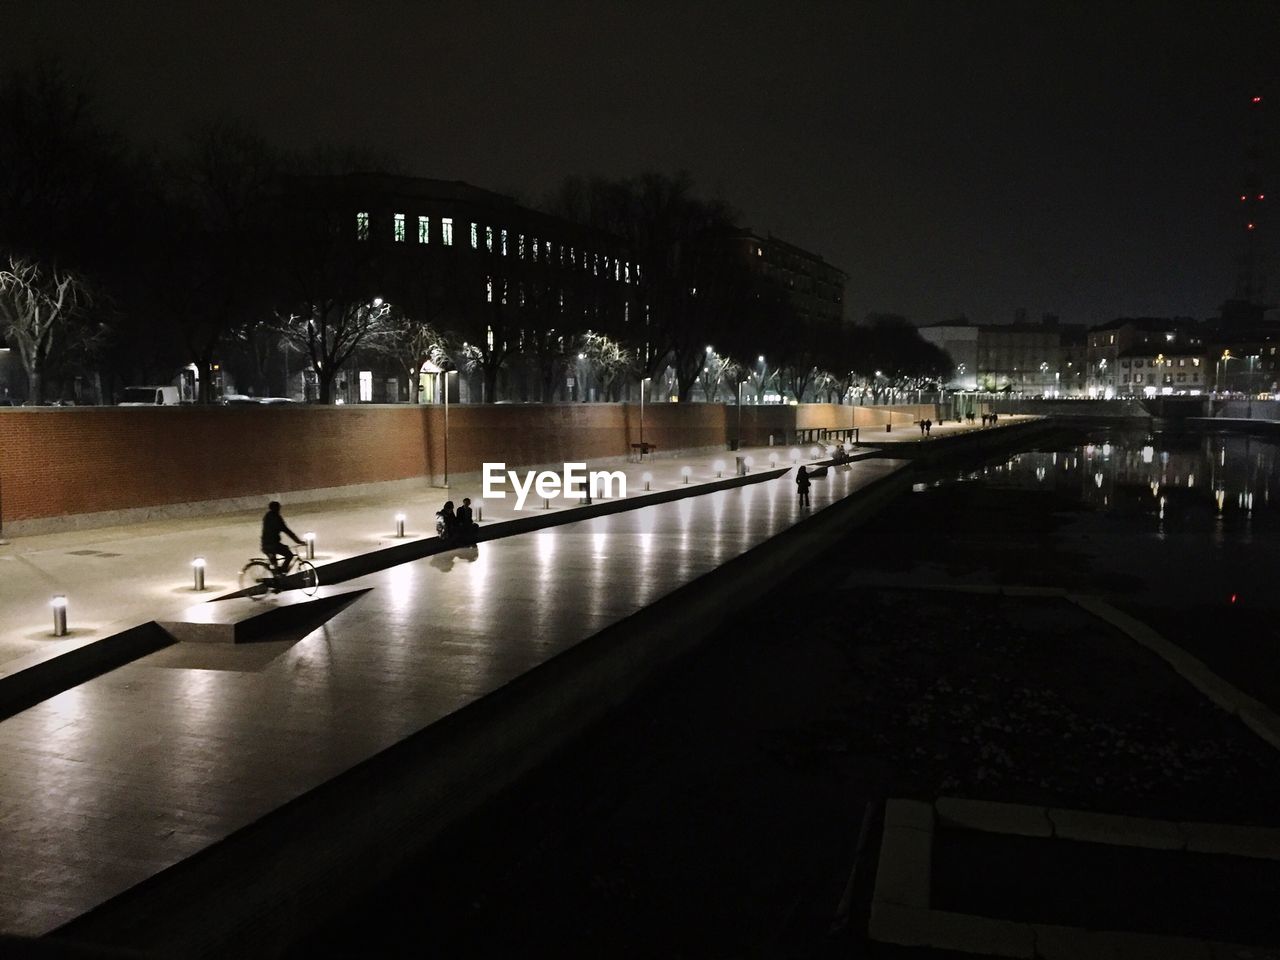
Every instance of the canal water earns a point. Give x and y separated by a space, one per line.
1174 518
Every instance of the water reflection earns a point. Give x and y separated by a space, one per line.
1154 473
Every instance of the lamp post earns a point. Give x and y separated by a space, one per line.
643 381
447 368
737 441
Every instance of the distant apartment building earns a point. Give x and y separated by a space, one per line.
1129 348
471 261
1030 359
814 287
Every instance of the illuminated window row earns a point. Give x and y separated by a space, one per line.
530 248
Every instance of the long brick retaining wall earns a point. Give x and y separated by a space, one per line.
104 461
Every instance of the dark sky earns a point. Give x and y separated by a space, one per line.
1074 158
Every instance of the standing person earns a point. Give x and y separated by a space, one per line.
446 522
928 425
802 485
922 427
272 526
466 526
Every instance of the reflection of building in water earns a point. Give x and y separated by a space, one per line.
1225 473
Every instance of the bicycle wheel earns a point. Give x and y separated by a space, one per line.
308 579
256 579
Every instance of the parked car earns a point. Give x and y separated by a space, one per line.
150 397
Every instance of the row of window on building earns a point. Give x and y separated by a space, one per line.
497 240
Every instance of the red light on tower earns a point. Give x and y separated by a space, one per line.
1251 226
1243 198
1257 99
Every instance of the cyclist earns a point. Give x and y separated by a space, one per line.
272 526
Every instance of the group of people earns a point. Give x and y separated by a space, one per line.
456 526
925 427
988 418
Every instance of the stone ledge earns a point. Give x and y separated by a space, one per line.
1152 946
906 867
1071 943
1262 843
915 927
910 814
1115 830
993 817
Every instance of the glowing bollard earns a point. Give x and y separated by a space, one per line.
719 468
648 480
309 538
197 569
59 604
479 511
795 455
684 472
399 524
773 460
748 461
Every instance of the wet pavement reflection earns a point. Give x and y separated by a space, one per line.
122 776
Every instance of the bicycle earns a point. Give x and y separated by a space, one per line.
262 575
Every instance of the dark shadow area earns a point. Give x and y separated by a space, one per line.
1105 887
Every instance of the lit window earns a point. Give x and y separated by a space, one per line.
520 246
504 242
759 252
637 273
488 239
595 264
504 301
573 257
424 229
617 271
366 386
626 312
533 242
489 290
446 231
627 272
475 236
399 221
362 226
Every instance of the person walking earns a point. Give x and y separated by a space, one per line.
802 485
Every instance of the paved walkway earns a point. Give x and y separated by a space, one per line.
122 776
117 577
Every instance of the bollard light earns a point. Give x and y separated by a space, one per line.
795 454
748 461
197 569
399 524
309 538
684 472
59 604
546 504
647 478
479 511
773 460
815 453
719 468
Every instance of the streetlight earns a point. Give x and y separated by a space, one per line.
447 368
643 381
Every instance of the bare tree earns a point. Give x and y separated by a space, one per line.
331 329
39 310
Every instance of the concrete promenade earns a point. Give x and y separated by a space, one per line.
118 577
122 776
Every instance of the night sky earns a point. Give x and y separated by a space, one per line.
951 157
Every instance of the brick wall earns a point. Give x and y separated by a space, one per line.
58 462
